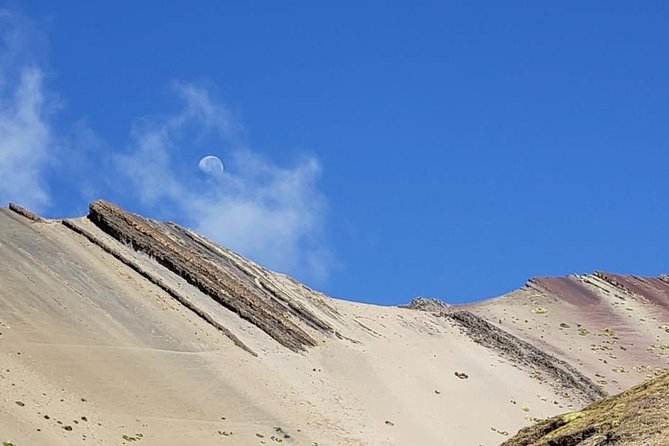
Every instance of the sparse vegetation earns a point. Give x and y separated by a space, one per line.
568 418
280 430
637 416
494 429
607 332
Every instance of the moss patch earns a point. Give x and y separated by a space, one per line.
637 416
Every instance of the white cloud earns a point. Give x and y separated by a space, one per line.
25 135
270 213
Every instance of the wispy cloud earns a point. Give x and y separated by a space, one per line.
273 213
25 135
269 212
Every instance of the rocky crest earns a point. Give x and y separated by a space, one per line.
212 270
427 304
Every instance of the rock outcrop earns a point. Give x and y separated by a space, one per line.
559 373
427 304
26 213
206 266
158 281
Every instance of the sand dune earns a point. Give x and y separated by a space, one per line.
118 330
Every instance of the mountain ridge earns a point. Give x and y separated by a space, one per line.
158 296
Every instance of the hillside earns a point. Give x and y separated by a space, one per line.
637 417
116 329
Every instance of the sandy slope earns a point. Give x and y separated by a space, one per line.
615 337
92 352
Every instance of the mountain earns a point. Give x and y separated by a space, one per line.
118 329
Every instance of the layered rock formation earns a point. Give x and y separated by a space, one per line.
216 272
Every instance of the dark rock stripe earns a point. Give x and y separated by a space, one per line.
159 283
26 213
211 252
569 379
224 284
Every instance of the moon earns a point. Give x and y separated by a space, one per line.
211 165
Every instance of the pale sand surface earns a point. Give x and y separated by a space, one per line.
85 336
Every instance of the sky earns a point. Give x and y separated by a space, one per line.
377 151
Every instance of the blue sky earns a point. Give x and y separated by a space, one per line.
375 150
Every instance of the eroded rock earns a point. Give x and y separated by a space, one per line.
201 263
